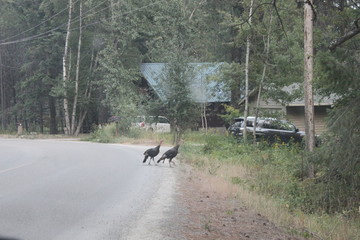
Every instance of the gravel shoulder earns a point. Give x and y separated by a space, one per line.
206 207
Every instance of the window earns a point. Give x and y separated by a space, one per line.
150 119
284 125
249 123
237 124
279 125
163 120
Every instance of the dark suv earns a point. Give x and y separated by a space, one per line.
269 129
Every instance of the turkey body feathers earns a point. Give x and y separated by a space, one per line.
170 154
152 152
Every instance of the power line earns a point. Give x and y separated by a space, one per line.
2 40
44 34
76 19
37 36
120 15
6 66
94 8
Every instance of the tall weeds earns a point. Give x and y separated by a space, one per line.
278 172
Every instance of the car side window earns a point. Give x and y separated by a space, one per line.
150 119
237 124
249 124
268 124
287 126
163 120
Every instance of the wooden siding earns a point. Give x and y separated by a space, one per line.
296 116
268 104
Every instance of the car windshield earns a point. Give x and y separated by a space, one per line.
237 124
278 124
157 119
270 123
163 120
249 123
139 119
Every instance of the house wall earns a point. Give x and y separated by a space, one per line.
270 105
296 115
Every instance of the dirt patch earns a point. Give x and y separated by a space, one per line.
209 208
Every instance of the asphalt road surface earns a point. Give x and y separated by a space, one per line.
56 189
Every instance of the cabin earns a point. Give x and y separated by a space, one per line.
294 111
213 96
204 91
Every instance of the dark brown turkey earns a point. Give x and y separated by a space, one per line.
152 152
170 154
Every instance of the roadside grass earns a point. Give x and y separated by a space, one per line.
270 180
109 134
36 135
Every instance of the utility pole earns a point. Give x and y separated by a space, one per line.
308 78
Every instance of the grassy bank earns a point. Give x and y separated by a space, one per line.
270 179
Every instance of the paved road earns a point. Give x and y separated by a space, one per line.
53 189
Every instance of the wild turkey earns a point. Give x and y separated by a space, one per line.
170 154
152 152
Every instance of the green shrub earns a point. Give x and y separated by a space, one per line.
337 161
278 170
104 134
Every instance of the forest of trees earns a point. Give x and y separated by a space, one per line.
63 71
68 65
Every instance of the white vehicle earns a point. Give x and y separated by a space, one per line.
158 124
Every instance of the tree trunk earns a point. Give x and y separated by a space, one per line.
41 116
81 121
246 112
76 93
112 10
87 95
85 110
237 53
53 124
267 50
205 124
308 78
2 93
65 73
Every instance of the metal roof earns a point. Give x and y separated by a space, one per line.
318 99
202 89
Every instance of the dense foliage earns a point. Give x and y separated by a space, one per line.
179 107
337 187
117 36
279 171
